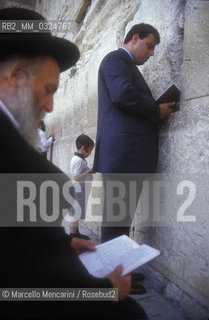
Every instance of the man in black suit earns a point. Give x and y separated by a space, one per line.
40 256
128 115
127 131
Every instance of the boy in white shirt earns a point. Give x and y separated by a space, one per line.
80 171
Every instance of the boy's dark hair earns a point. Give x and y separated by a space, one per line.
142 30
84 140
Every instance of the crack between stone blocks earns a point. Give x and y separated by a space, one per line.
198 97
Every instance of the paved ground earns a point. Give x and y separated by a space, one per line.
156 306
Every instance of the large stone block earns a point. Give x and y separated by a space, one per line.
196 46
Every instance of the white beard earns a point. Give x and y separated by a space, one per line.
23 108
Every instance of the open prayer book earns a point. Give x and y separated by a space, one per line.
121 250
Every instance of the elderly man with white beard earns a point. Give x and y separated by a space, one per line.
27 92
35 255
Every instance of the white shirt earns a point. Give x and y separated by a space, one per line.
78 166
43 142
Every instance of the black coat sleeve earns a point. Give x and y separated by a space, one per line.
41 258
118 75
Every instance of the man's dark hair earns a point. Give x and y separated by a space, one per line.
84 140
142 30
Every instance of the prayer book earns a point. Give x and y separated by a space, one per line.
172 94
121 250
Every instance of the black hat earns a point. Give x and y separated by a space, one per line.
35 43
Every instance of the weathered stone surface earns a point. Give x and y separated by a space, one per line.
196 50
81 11
27 4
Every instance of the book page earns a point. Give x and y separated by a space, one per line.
121 250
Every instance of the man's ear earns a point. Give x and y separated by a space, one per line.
83 148
16 73
135 38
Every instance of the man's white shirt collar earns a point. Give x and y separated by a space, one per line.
9 115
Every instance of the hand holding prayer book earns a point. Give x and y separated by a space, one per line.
121 250
172 94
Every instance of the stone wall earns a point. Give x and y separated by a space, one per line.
184 151
182 270
27 4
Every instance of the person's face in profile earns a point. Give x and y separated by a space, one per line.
143 49
87 152
35 86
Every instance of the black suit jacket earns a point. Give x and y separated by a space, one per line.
35 256
127 132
